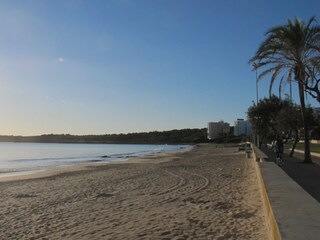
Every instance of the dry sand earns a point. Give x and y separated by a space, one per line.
205 193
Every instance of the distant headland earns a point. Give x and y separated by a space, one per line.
187 136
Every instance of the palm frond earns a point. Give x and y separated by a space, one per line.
294 47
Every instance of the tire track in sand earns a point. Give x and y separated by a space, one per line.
193 183
181 182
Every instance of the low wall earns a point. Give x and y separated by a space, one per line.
259 156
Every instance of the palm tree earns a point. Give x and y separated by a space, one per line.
288 52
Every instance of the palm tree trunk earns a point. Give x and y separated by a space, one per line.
307 155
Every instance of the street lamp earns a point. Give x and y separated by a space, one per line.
255 66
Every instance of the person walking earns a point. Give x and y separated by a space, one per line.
279 151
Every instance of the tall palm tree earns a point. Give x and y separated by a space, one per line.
288 52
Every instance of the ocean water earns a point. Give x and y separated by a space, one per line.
22 158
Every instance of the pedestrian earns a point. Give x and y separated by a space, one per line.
279 151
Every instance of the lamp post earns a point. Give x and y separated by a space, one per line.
257 93
257 89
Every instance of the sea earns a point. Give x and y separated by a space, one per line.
26 158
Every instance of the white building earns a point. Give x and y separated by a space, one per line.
216 129
242 127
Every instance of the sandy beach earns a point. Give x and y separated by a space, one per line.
208 192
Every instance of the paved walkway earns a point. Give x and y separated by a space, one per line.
295 210
306 175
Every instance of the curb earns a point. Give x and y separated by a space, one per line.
312 153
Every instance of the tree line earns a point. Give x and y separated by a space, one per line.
273 117
183 136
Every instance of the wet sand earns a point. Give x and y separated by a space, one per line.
204 193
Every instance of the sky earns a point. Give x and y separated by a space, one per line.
121 66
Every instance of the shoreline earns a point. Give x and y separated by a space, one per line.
80 166
205 193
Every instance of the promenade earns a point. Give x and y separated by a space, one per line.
292 198
306 175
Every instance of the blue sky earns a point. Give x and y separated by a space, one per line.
119 66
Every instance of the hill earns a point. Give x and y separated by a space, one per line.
187 136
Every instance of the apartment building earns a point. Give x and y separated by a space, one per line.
242 127
216 129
